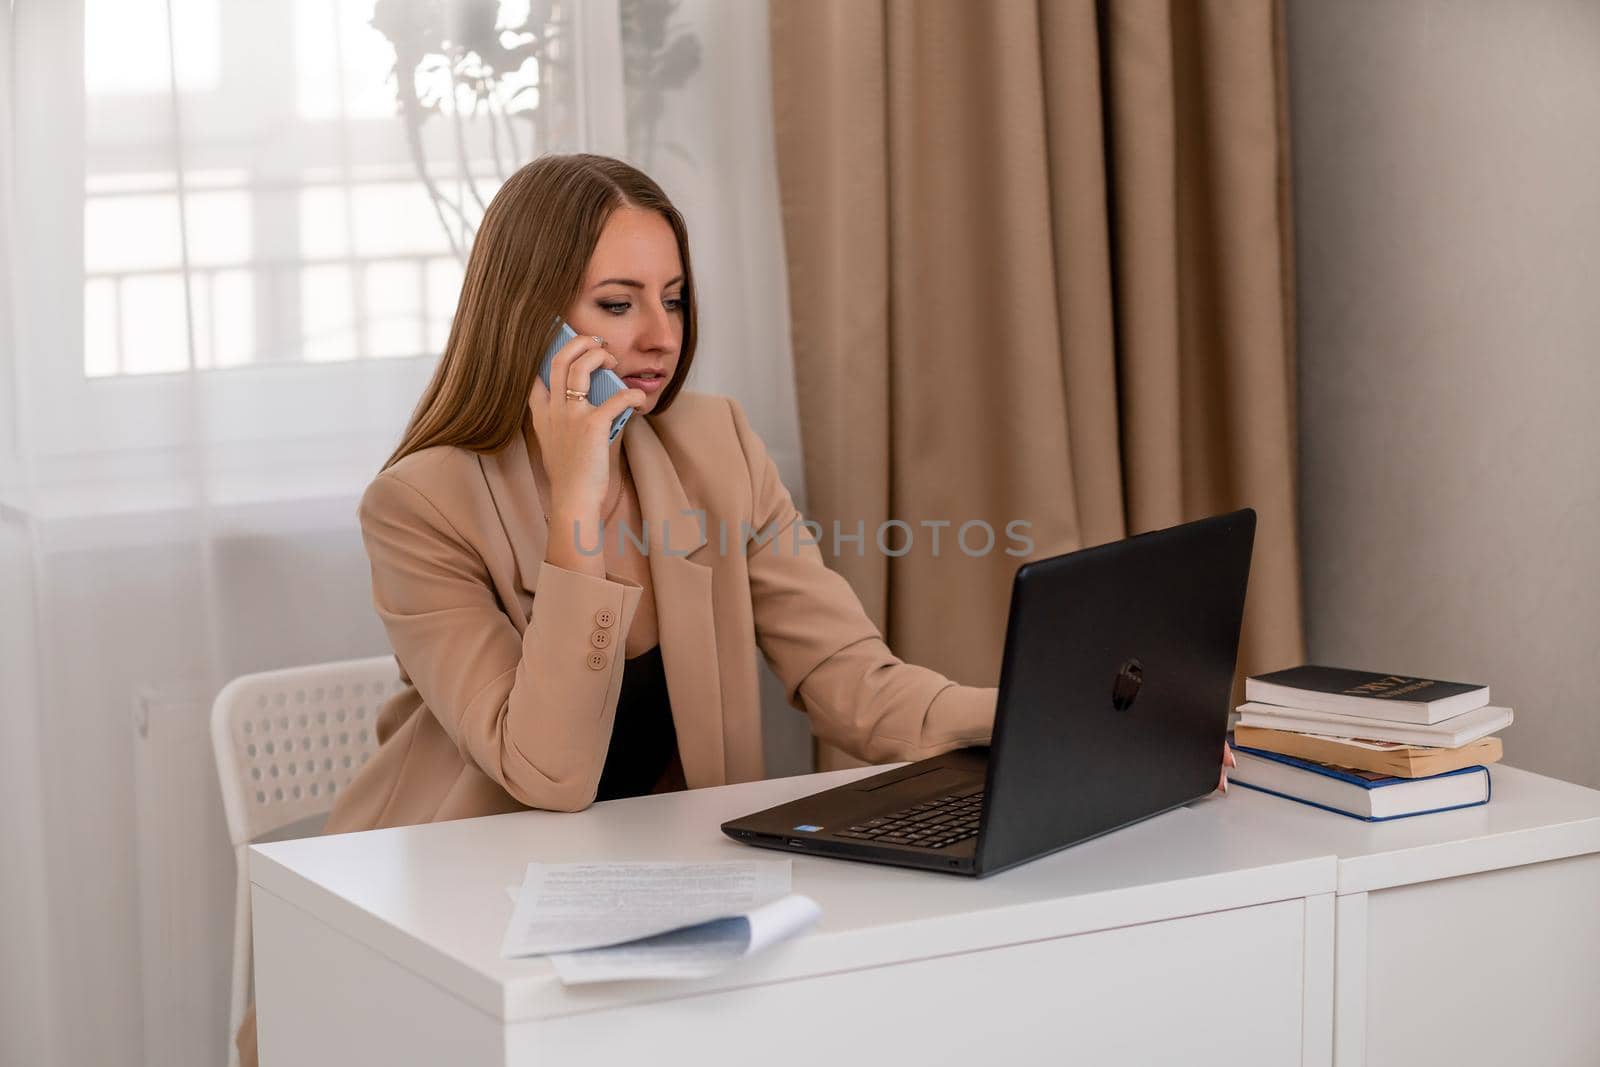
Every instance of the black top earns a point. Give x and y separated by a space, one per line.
643 739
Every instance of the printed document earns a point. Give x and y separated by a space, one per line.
608 921
693 952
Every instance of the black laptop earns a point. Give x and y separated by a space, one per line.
1115 688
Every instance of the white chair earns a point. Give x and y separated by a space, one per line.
286 742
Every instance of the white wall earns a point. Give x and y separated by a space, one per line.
1447 203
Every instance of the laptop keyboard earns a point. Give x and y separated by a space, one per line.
936 823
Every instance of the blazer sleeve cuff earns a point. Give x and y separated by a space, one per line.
570 605
959 716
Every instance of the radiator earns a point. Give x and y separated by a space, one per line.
185 879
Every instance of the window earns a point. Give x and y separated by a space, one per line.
274 201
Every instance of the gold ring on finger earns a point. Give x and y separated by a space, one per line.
577 394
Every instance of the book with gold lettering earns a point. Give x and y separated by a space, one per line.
1388 697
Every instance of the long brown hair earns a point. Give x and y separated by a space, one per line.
525 270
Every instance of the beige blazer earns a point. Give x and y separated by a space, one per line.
513 665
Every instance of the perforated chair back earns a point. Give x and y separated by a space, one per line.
286 743
288 740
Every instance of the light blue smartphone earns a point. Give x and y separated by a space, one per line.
603 383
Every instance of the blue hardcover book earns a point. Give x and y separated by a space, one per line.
1365 795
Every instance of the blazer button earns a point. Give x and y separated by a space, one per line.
604 618
597 661
600 639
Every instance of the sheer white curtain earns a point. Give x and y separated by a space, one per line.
230 240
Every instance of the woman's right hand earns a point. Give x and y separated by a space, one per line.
573 434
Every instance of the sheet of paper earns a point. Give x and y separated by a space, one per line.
694 952
564 907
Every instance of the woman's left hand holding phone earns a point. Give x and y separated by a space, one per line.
573 440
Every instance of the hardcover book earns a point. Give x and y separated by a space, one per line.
1364 795
1392 697
1452 733
1363 754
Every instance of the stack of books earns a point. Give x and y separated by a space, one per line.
1371 746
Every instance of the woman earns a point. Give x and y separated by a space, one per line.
545 673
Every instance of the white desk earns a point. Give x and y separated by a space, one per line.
1208 935
1468 937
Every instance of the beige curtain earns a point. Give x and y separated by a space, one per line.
1039 270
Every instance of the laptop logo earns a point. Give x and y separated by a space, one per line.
807 828
1126 688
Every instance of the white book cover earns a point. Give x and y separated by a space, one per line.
1452 733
